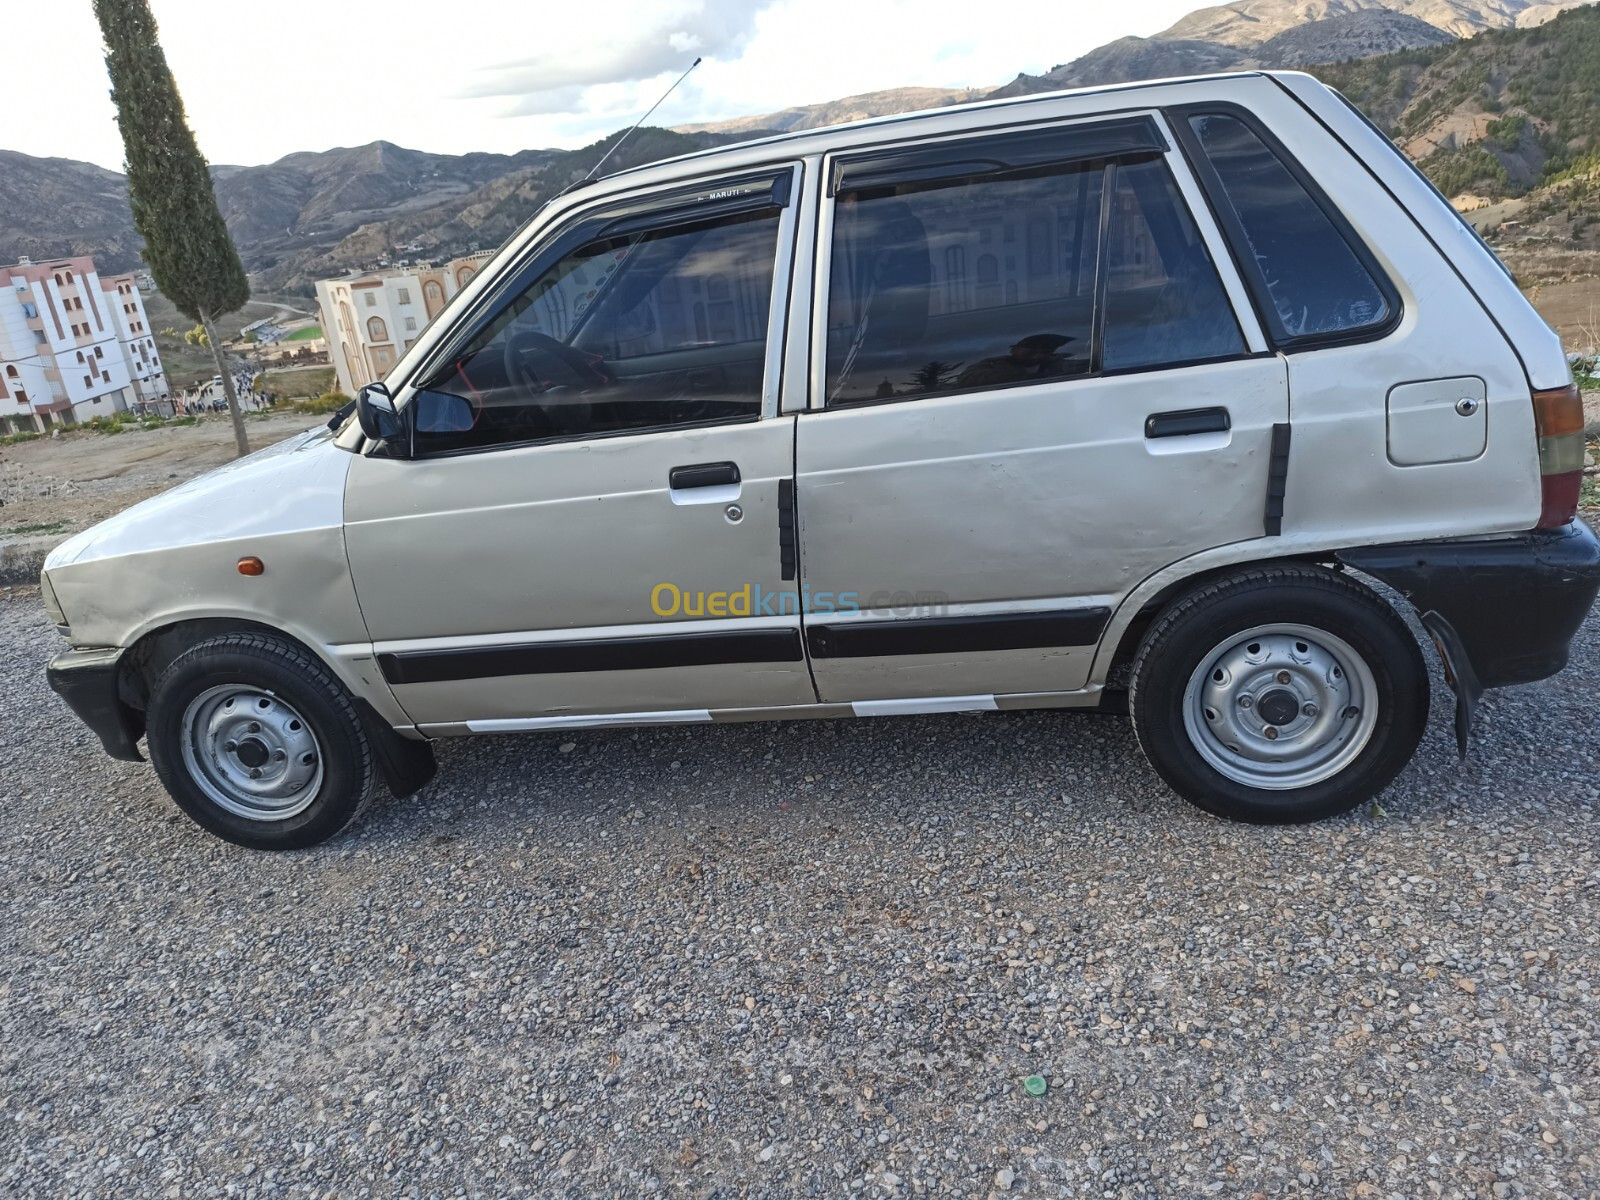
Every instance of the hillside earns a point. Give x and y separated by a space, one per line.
54 207
837 112
1252 22
1355 34
481 217
1509 114
312 196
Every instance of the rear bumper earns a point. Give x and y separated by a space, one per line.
87 681
1513 603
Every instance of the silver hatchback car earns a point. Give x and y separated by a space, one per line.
1112 399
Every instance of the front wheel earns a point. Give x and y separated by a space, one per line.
259 744
1279 695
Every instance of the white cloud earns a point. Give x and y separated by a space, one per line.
621 44
458 75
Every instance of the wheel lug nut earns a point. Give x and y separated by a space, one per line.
1283 677
255 772
1271 732
1310 709
1247 701
278 756
230 747
254 727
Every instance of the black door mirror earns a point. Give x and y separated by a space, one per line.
376 413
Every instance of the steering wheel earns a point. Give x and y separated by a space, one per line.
523 350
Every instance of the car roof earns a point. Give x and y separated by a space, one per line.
797 142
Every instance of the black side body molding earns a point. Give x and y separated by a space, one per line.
787 562
1277 480
597 654
958 635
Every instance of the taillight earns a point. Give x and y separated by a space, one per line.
1558 420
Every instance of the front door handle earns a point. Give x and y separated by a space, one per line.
1186 422
701 475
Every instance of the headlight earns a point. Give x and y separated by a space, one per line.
52 605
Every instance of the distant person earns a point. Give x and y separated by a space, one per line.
1036 356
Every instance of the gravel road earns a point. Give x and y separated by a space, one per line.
815 959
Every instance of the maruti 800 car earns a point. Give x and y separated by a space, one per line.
1111 399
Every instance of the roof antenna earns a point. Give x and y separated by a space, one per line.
636 125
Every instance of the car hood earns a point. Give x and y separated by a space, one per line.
295 485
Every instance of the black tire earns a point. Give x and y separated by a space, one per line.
1299 595
346 776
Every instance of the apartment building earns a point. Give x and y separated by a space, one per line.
72 345
137 342
370 319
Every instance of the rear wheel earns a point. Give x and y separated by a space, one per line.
254 739
1279 695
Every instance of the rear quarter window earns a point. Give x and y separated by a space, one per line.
1317 284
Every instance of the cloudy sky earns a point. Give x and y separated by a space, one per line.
451 76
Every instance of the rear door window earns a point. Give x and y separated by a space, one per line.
963 283
1317 284
1016 276
1164 301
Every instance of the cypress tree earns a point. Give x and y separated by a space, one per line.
186 245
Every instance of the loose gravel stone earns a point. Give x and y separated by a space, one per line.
805 960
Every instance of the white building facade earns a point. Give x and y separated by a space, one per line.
72 346
371 319
138 344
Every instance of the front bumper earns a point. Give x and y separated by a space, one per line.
87 681
1502 610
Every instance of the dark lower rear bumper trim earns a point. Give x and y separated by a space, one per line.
1514 603
87 681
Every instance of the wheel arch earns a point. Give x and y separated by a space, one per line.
1126 631
406 763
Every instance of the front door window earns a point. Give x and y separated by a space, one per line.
641 330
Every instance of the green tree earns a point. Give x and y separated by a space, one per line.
191 256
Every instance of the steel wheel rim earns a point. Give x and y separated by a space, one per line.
251 752
1281 706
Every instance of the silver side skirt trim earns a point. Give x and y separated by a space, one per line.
914 706
934 704
677 716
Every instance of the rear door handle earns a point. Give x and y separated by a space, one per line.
1184 422
702 475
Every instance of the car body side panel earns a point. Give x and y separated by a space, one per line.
175 558
1039 498
1342 484
1538 346
568 542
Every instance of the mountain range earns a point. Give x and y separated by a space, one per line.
1437 73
